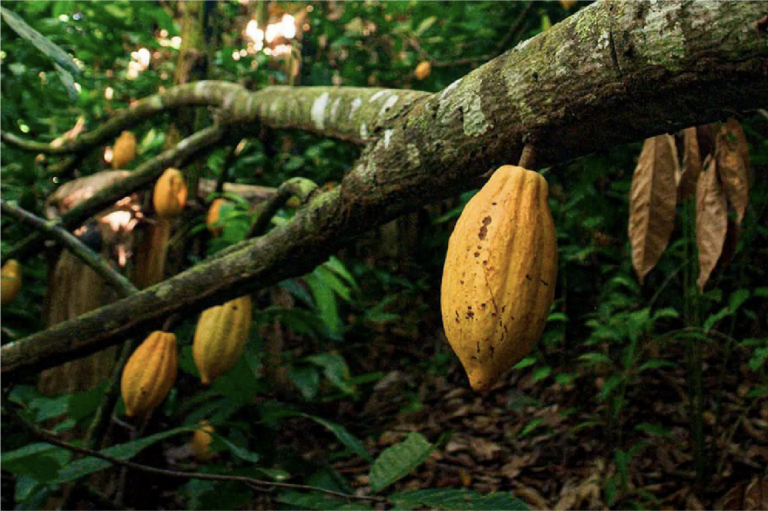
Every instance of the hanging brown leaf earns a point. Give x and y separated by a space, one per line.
732 155
731 242
705 135
711 221
689 175
652 202
747 496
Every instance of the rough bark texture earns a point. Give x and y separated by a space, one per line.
613 73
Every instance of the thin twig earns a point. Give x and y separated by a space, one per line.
54 230
259 484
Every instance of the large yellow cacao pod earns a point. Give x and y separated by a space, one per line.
170 194
212 219
10 281
201 441
150 373
220 337
499 276
124 150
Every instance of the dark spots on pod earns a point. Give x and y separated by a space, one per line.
493 314
483 306
485 262
477 254
462 282
470 314
478 247
544 282
492 350
493 203
474 357
484 229
503 308
528 277
478 346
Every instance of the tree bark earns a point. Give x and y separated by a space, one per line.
615 72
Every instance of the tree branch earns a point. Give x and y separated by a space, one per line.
52 229
615 72
144 174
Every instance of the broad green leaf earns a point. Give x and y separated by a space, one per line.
450 498
38 461
335 369
54 52
344 436
128 450
316 500
399 460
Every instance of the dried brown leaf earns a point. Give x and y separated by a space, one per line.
756 495
732 154
731 242
652 202
711 221
689 174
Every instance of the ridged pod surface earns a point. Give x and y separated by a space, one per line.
499 275
124 150
212 219
201 441
150 373
10 281
170 194
220 337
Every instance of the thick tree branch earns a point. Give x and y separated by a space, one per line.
615 72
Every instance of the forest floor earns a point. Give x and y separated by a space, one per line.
556 446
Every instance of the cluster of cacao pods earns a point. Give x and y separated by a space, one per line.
220 337
499 275
170 194
124 150
213 217
10 281
149 374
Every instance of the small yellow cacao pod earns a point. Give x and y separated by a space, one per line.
213 217
170 195
150 373
124 150
423 70
10 281
220 337
499 275
201 441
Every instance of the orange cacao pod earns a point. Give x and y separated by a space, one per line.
170 195
423 70
201 441
150 373
499 275
10 281
124 150
213 217
220 337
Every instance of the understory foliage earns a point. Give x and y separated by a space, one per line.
363 396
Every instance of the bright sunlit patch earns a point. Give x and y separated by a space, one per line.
63 17
235 55
109 93
253 31
118 220
108 154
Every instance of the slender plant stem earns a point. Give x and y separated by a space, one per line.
54 230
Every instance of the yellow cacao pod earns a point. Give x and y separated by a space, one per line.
499 275
220 337
10 281
124 150
213 217
150 373
423 70
201 441
170 195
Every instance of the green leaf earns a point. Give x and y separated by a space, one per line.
335 369
737 298
450 498
533 424
399 460
425 25
89 465
325 302
344 436
38 461
316 500
653 429
307 380
54 52
596 358
241 452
